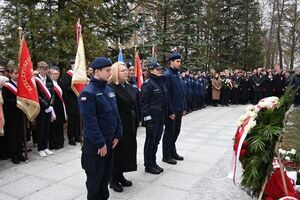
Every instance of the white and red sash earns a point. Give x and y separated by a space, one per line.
70 72
59 93
43 87
11 87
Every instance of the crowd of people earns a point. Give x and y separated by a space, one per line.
111 108
237 87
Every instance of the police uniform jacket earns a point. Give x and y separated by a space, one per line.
99 112
176 98
154 99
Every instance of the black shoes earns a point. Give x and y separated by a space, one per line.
152 170
116 187
169 161
125 183
158 167
22 158
177 157
15 160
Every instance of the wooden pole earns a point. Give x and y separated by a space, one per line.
24 116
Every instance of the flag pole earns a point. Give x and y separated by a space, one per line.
24 117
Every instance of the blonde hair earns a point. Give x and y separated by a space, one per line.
114 78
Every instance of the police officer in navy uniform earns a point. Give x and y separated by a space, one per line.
176 109
102 129
154 106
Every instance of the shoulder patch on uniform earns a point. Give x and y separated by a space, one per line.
111 95
83 98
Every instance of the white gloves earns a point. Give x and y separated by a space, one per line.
50 109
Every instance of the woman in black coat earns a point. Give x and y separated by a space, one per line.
125 151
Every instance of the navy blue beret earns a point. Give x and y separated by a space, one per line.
153 65
174 56
101 62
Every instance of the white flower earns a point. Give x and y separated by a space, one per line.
283 152
280 150
253 114
293 151
263 104
249 108
287 158
257 109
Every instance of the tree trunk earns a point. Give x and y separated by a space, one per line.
269 56
280 13
293 32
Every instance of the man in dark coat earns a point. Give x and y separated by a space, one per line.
56 138
296 85
47 114
154 105
278 83
258 80
14 118
102 129
177 108
70 98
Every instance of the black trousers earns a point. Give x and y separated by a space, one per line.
172 130
98 173
43 129
225 96
257 96
56 138
74 131
153 136
15 135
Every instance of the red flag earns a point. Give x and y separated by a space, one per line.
138 70
27 96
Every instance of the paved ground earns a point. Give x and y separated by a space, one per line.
205 142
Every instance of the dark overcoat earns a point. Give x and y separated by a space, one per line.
126 150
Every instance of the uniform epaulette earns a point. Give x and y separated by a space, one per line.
146 81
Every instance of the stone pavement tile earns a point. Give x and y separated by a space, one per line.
7 176
77 180
190 140
203 158
6 197
129 192
212 149
62 157
188 146
158 192
220 143
31 168
25 186
59 172
178 180
190 167
57 191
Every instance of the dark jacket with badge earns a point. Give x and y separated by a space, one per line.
99 112
176 98
126 150
70 97
154 99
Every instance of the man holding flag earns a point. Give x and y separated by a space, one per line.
12 115
74 81
27 97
